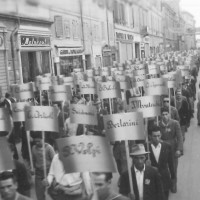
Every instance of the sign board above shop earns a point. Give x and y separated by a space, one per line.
124 36
70 51
34 41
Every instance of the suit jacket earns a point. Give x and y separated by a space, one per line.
172 135
153 189
165 164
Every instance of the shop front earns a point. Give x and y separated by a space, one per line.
34 53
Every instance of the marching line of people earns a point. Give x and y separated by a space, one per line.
154 171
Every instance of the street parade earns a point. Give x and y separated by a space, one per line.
75 127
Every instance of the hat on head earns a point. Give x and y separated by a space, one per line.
138 149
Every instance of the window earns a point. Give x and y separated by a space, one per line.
34 64
119 13
102 30
67 28
58 20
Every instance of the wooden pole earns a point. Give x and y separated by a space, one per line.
169 102
147 137
129 168
110 106
174 98
29 149
44 154
63 116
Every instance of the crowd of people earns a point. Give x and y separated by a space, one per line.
154 164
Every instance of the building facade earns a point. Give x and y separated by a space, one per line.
189 30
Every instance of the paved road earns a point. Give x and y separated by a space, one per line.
189 165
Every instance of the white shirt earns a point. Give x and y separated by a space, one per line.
70 127
140 180
156 151
57 171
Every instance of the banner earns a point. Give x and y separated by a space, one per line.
6 122
185 70
105 71
67 81
79 77
108 90
148 105
156 86
44 83
138 81
139 72
171 78
23 91
153 69
41 118
124 126
86 154
54 80
18 111
60 93
6 157
87 87
90 73
83 114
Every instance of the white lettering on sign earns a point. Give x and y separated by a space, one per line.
70 51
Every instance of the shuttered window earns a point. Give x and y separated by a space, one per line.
59 26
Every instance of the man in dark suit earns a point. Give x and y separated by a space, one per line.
147 183
161 157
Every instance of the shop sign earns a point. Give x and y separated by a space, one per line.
141 45
146 39
106 51
34 41
70 51
124 36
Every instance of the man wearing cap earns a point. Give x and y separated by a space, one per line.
147 183
173 110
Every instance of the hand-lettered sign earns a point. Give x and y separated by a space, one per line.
124 126
67 81
155 86
83 114
87 87
6 158
108 90
23 91
138 81
148 105
44 83
60 93
6 123
86 154
171 78
18 111
41 118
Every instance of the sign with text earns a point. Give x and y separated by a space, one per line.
6 158
44 83
41 118
107 90
23 91
18 111
83 114
138 81
34 41
67 81
139 72
171 78
60 93
148 105
87 87
70 51
153 69
6 122
155 86
124 126
86 154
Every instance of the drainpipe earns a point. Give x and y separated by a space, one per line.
13 50
83 36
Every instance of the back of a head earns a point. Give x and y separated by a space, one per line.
7 95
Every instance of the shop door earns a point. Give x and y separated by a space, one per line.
126 52
3 78
137 50
147 50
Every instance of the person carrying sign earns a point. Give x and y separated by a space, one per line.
147 183
171 133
